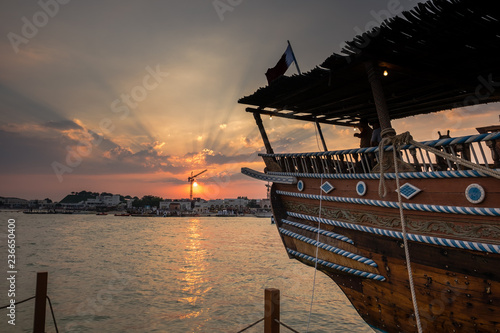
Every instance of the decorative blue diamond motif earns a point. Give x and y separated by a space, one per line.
408 190
475 193
327 187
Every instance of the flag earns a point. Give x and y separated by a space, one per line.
285 61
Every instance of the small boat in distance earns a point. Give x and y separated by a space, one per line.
409 230
102 213
266 213
123 214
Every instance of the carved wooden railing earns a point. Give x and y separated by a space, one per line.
482 149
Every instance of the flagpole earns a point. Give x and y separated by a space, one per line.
294 59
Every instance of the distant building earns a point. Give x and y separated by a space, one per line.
238 205
265 203
129 203
14 202
175 206
103 201
111 200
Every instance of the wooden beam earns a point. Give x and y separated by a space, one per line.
321 136
263 133
294 117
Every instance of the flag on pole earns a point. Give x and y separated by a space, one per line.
285 61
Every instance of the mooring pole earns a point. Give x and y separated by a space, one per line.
271 310
40 302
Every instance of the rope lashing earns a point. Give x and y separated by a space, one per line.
395 140
405 236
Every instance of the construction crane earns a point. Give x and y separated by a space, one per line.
191 181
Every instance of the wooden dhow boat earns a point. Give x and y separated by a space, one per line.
426 255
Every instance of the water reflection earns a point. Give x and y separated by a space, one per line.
194 279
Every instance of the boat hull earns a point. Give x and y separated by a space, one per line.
455 257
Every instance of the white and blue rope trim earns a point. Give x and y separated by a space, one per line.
402 175
321 231
455 243
392 204
341 268
330 248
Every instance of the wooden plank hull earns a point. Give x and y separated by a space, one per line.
455 253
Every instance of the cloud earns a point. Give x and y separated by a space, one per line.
63 125
220 158
170 180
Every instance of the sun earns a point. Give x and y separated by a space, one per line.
195 184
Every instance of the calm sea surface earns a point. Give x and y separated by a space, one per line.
134 274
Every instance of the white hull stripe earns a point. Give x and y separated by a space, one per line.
393 204
455 243
402 175
322 232
330 248
337 267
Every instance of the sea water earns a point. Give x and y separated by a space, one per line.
155 274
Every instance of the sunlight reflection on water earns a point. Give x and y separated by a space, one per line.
134 274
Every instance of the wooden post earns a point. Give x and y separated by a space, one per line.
321 136
271 310
262 130
379 98
40 302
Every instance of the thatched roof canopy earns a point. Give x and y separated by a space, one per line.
441 55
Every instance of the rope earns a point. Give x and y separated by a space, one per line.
25 300
251 325
291 329
387 139
317 251
405 241
51 309
469 164
53 316
404 139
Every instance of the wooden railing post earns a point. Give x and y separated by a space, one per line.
271 310
40 302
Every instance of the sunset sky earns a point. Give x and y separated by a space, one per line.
129 97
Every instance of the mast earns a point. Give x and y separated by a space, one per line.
379 99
